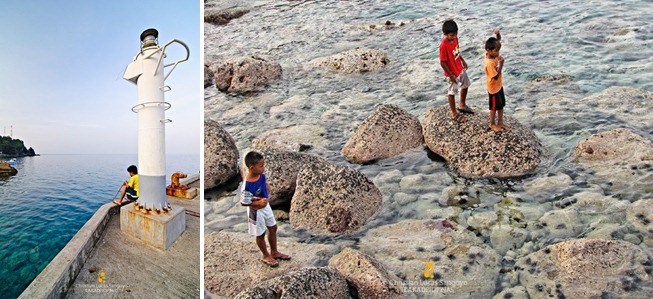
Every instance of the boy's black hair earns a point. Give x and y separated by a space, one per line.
132 169
449 26
492 43
252 158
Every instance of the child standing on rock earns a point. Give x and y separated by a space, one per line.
454 67
254 195
493 73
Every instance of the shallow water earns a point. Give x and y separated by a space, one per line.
596 44
49 200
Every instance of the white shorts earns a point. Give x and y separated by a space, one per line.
462 79
264 219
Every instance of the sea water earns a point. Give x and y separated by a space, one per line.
50 199
595 44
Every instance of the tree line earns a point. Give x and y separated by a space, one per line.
14 147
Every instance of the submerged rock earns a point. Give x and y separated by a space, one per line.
640 215
359 60
436 254
223 16
232 261
303 283
475 151
366 274
334 198
297 138
220 155
387 132
587 268
621 157
242 75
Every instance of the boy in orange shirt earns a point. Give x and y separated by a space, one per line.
493 68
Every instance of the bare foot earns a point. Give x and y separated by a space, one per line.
280 256
504 127
496 128
117 202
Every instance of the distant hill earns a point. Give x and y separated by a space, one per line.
14 147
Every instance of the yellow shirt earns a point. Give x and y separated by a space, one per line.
491 70
133 182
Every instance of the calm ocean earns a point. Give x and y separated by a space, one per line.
49 200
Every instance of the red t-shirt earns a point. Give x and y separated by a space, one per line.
450 55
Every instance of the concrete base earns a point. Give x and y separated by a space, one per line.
186 194
159 231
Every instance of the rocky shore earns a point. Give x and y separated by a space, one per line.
386 197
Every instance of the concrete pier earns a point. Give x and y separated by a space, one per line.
123 266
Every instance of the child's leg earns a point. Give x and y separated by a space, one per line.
463 97
493 126
272 238
452 105
500 121
122 195
260 242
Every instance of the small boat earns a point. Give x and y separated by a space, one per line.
13 162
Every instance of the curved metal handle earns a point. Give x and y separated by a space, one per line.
163 50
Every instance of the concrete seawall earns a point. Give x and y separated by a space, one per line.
60 273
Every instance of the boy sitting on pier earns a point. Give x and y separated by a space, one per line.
254 195
129 189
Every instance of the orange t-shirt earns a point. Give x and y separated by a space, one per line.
491 70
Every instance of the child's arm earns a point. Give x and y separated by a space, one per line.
497 33
452 78
500 60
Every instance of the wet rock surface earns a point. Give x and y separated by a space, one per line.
242 75
474 151
220 155
619 157
359 60
439 254
333 198
297 138
223 16
587 268
232 261
366 274
388 131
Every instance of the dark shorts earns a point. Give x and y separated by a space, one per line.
130 193
497 100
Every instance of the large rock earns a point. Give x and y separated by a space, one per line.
223 16
334 198
359 60
621 157
281 170
304 283
232 261
220 155
587 268
474 151
7 170
436 254
242 75
296 138
387 132
366 274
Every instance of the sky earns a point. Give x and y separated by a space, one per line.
61 67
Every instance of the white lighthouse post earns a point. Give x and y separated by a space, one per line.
152 218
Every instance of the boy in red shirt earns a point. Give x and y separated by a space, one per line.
454 67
